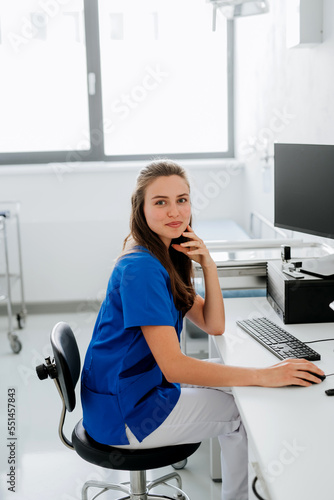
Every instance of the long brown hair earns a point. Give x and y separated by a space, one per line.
178 265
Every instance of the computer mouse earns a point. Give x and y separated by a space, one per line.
322 377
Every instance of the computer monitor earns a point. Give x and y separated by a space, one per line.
304 190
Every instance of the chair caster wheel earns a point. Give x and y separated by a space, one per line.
15 344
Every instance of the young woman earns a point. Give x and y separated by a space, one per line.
138 388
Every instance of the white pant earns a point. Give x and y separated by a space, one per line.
202 413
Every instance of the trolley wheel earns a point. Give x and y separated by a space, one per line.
21 320
15 344
180 465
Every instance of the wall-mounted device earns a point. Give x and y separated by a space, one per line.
304 23
232 9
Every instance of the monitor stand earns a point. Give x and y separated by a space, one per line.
323 267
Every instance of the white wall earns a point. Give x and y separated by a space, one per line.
283 95
74 219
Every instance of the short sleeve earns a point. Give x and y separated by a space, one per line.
145 295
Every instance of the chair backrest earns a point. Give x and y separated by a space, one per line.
67 360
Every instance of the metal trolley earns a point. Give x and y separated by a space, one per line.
9 215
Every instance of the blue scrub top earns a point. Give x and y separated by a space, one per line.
121 382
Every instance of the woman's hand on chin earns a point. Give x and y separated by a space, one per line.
194 248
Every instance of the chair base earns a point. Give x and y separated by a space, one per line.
138 488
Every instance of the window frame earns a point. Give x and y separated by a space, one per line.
96 152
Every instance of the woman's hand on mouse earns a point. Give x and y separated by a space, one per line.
195 249
290 372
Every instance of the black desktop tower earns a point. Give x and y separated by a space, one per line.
303 300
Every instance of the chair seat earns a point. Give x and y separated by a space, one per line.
125 459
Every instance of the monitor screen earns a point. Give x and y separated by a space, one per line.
304 188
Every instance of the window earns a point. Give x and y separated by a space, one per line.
43 90
113 79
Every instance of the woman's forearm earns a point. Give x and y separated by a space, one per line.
198 372
213 309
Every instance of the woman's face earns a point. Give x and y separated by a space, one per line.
167 207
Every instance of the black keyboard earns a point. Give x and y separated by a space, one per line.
277 340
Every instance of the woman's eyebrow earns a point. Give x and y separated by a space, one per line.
163 196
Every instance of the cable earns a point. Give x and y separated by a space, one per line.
313 341
254 489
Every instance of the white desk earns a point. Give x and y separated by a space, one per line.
290 429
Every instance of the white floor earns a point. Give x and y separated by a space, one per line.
44 467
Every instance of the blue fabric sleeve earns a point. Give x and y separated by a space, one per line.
146 296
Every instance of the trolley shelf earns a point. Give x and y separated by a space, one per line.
10 214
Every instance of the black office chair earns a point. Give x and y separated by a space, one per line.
64 369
